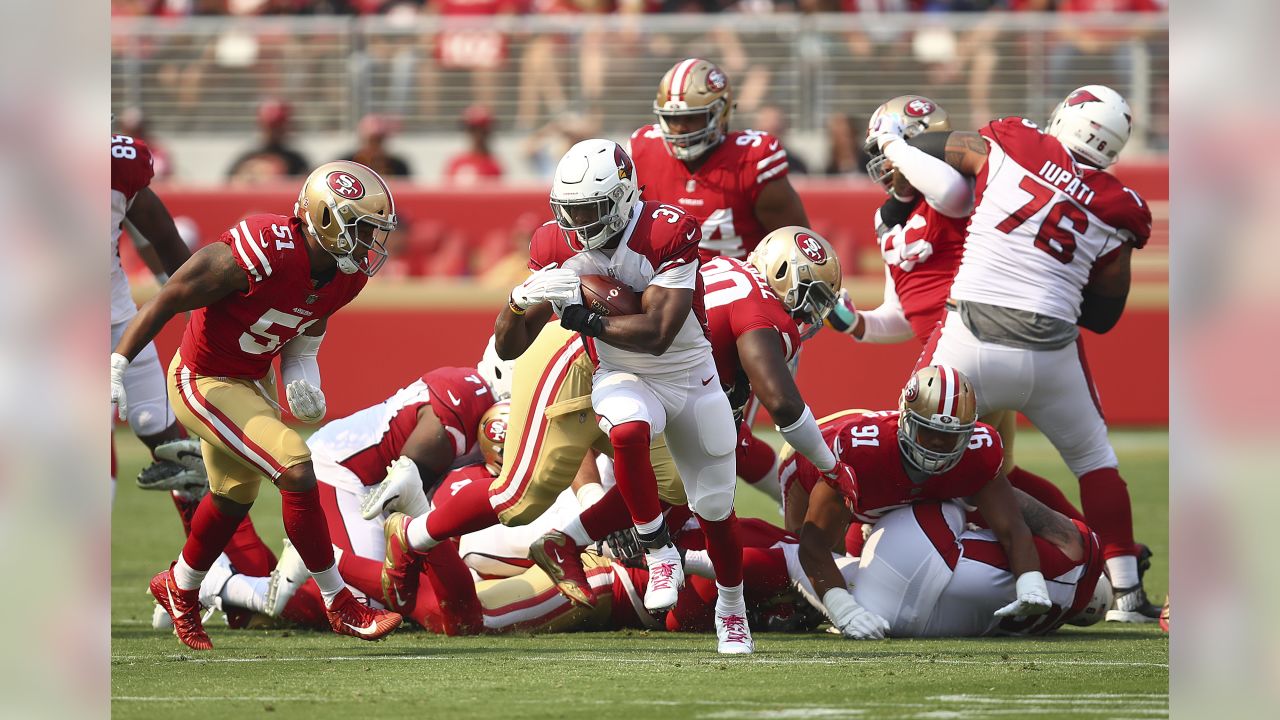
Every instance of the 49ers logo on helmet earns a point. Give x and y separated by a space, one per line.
626 169
919 108
811 248
345 184
496 430
716 81
911 392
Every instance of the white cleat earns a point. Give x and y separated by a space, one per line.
733 635
290 574
400 491
160 619
215 580
666 577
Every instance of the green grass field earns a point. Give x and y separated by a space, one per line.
1106 671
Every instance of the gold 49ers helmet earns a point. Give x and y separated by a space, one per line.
493 435
693 106
919 115
348 209
803 269
938 412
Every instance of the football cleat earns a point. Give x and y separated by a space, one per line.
160 619
1132 606
1164 615
178 466
289 574
666 577
349 616
400 491
733 635
183 607
561 559
402 566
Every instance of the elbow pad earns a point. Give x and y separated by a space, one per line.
1100 313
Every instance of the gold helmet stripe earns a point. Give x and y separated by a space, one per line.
680 78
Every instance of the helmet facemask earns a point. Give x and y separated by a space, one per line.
590 223
694 144
809 299
937 415
354 232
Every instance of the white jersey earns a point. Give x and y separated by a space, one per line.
131 171
1040 224
658 247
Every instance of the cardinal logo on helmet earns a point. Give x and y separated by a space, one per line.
626 170
1081 97
496 430
345 184
919 108
811 248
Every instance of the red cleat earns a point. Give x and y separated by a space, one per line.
1164 615
183 607
349 616
560 557
402 568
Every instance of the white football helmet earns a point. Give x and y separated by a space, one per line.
937 413
593 193
496 371
1098 604
1093 122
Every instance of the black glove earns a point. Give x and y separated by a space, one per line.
579 319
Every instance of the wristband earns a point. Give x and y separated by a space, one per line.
515 309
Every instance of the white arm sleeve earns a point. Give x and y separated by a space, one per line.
806 438
886 324
298 359
943 187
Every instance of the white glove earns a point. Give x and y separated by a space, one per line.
884 129
306 401
853 620
904 257
118 365
1033 597
551 283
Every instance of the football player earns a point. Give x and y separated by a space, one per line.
931 449
266 288
920 228
177 466
1047 251
654 369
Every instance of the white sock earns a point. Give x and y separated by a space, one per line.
731 597
330 583
698 562
651 527
589 494
419 538
577 532
246 592
185 576
1123 571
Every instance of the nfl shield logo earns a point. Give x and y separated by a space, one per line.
312 298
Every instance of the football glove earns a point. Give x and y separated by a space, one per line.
622 545
551 283
851 619
118 365
306 401
844 316
1033 597
885 128
579 319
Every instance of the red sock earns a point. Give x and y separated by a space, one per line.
724 547
466 512
1044 491
1105 499
609 514
306 607
211 530
248 553
853 540
756 457
768 572
305 524
361 573
634 471
454 591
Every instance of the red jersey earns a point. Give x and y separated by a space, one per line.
367 441
739 300
658 247
868 443
722 193
923 290
240 334
131 171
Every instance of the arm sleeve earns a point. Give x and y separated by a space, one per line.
944 188
888 323
298 359
805 436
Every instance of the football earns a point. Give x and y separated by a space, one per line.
608 296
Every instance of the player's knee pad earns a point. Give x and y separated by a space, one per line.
150 416
716 430
714 504
633 436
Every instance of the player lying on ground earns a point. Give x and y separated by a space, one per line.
266 288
